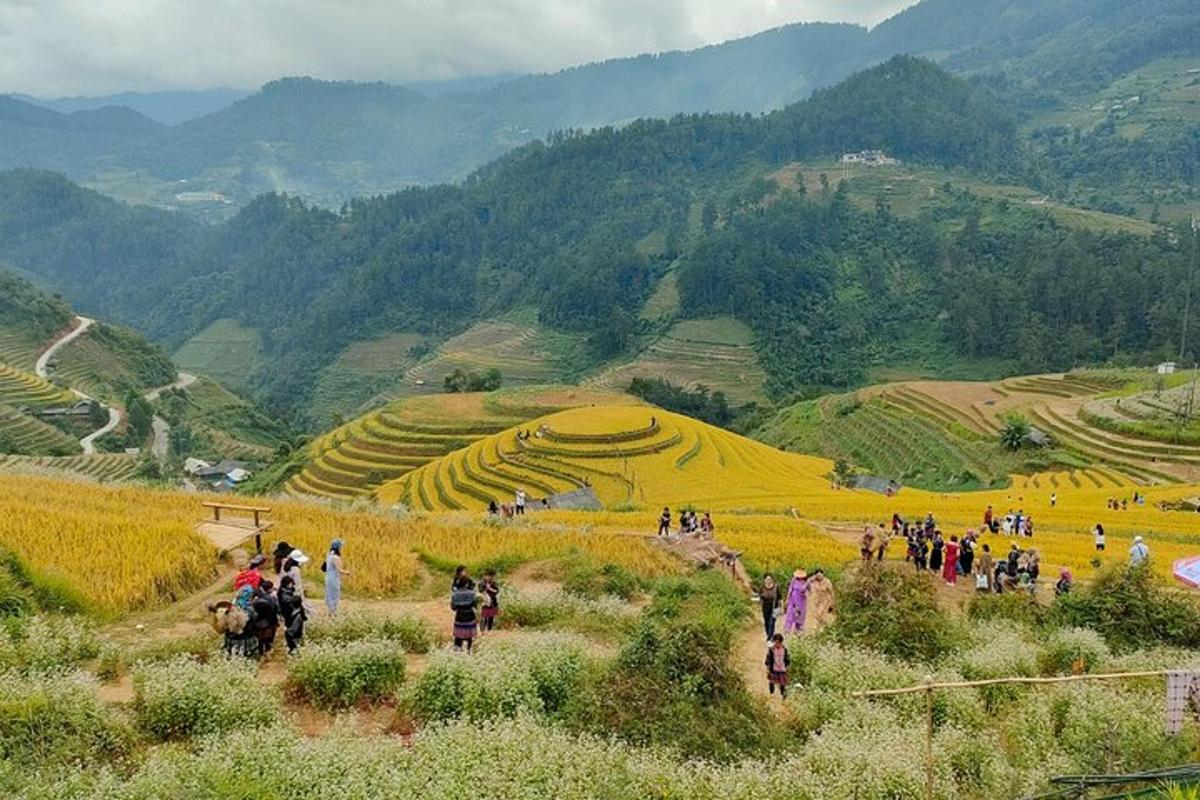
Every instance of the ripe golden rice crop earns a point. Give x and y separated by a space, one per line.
125 548
780 544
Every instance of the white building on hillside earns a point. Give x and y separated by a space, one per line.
868 158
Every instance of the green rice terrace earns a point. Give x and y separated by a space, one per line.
717 353
946 434
523 351
103 467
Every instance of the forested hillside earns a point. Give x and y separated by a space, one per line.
328 141
584 227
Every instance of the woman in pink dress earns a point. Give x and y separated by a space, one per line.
797 603
950 564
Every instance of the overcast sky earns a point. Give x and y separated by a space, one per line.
52 48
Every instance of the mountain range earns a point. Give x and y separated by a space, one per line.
330 141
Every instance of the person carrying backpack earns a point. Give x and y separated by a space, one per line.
463 599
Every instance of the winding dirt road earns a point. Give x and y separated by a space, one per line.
162 429
160 444
42 368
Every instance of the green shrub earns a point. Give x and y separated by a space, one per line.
674 683
1114 728
1070 650
1014 606
1130 610
342 674
15 599
48 720
532 675
46 643
895 612
584 578
411 633
115 659
1000 650
564 610
181 697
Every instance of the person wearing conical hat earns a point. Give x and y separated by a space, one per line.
797 603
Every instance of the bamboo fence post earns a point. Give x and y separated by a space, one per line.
928 737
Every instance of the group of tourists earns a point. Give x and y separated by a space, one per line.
509 510
1016 523
1123 504
261 604
689 523
475 607
807 605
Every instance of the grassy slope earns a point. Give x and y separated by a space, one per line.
224 425
363 371
227 351
911 189
1169 99
108 363
718 353
524 352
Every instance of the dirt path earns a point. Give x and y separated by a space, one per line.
160 443
42 368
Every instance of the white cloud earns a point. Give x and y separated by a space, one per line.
62 47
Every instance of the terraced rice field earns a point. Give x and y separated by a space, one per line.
718 353
104 467
901 434
17 349
226 350
524 353
21 388
28 434
363 371
355 459
1052 386
627 455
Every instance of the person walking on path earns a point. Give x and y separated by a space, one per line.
966 554
291 608
1098 536
520 502
820 600
881 542
490 591
1139 554
769 599
1065 582
332 567
868 543
797 603
291 569
984 569
950 569
664 522
266 616
462 602
777 661
252 575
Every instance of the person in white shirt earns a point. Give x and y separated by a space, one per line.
520 501
1098 535
1139 554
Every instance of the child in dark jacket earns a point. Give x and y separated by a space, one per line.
777 662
